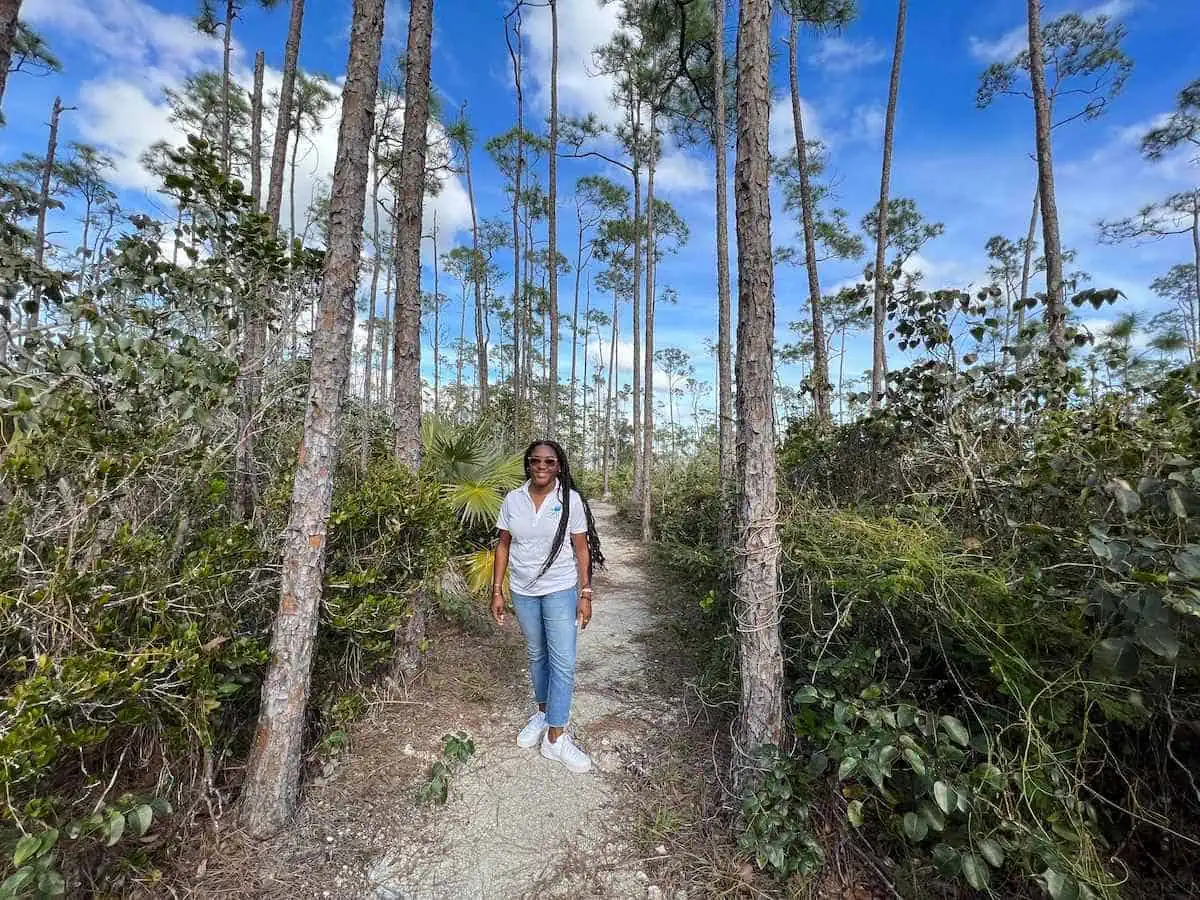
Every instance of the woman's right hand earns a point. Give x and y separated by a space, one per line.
498 607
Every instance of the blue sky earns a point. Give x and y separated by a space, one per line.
967 168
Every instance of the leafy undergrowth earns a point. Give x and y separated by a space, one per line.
134 626
992 664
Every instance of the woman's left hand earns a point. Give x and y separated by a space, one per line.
583 610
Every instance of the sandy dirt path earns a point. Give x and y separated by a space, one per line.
514 824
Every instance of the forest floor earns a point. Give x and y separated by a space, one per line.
644 823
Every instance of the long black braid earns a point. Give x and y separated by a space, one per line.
567 484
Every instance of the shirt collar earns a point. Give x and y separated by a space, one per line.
557 490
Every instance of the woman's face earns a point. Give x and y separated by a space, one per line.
543 466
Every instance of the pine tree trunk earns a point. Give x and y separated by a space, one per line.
227 38
283 119
648 388
725 448
610 398
385 333
578 411
292 183
1194 338
386 387
256 113
1026 277
39 238
376 265
527 324
820 370
575 344
410 189
553 221
879 308
10 12
756 583
481 360
437 325
518 396
83 242
1052 246
253 350
273 770
842 377
253 358
458 357
637 302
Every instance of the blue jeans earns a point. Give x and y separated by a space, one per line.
548 622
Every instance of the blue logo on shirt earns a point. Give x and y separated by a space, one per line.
558 509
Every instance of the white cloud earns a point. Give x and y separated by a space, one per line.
783 135
126 115
943 273
866 124
583 25
129 33
1012 42
624 353
840 55
1114 9
681 172
121 118
1000 49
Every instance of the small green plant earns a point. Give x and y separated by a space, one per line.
34 857
776 812
457 748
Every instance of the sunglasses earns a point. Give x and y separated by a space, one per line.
543 462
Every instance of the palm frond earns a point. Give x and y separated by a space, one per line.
477 568
475 502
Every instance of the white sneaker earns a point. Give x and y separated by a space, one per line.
533 731
564 751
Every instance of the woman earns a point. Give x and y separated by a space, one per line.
551 590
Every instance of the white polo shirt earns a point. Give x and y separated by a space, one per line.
533 533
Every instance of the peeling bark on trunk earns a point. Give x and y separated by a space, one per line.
1051 244
273 771
283 121
879 308
406 351
757 547
820 369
